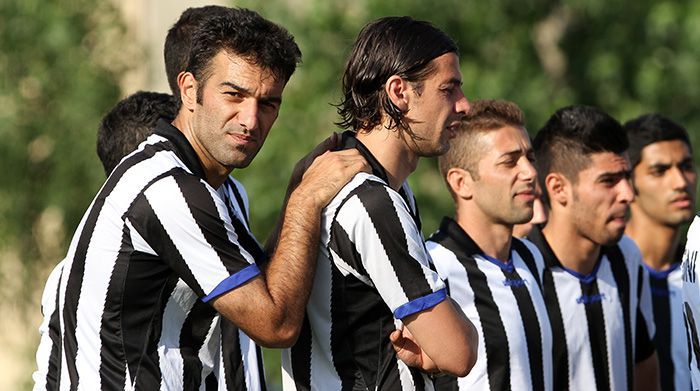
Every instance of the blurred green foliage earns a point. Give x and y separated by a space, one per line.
61 60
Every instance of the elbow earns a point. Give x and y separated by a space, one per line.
461 362
283 336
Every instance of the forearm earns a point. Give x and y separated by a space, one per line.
291 270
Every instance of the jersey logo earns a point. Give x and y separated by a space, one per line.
588 299
689 258
514 282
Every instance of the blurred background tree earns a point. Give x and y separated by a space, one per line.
61 62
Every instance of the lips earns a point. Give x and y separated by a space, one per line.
242 138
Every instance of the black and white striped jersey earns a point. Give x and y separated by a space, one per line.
372 268
602 322
154 247
504 302
670 339
691 300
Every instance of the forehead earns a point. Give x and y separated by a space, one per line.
506 139
604 162
446 69
665 152
231 68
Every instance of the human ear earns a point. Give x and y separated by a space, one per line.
396 88
188 90
558 188
460 182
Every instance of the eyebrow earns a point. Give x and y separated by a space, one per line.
517 152
627 174
263 99
454 81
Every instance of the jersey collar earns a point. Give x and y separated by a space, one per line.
183 149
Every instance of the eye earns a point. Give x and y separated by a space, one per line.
234 94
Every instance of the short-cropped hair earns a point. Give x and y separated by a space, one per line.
649 129
129 123
244 33
484 115
571 135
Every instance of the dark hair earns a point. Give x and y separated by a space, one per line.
130 122
244 33
388 46
652 128
176 51
571 135
483 115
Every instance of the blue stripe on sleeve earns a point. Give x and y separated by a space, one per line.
233 281
420 304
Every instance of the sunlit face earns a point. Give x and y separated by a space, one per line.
601 198
665 182
505 188
435 114
239 103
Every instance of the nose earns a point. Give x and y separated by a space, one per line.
626 193
248 114
462 104
528 170
680 179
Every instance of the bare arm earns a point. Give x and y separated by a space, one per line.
646 374
270 307
440 339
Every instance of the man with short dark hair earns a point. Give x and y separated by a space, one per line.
129 123
166 232
495 278
595 286
664 180
402 100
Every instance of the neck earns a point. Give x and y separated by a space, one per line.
573 250
493 239
657 242
390 150
215 173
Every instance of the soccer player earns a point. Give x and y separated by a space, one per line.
121 130
495 278
664 180
595 286
165 219
402 100
691 299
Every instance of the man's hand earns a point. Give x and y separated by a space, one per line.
408 351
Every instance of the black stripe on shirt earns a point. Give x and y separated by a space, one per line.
234 371
53 372
662 318
693 330
112 355
560 350
597 335
194 331
300 357
622 281
532 328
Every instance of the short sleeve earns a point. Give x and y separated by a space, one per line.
391 249
188 225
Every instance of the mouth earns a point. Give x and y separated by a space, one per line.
243 139
527 194
682 202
